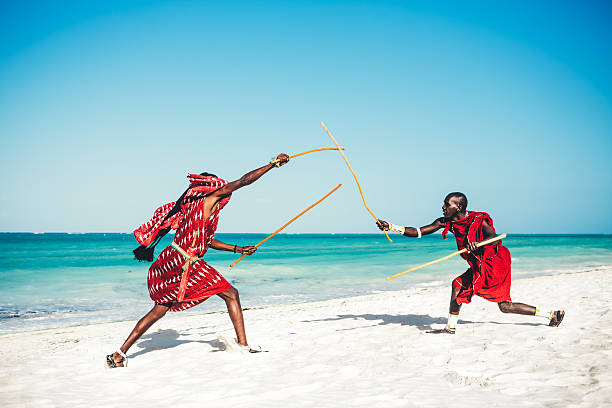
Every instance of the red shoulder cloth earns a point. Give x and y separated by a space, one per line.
468 228
147 232
200 186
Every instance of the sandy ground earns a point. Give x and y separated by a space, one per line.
368 351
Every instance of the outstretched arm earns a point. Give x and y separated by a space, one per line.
222 246
245 180
248 178
412 231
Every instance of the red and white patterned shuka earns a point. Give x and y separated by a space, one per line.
168 281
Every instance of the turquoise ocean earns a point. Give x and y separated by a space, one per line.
56 280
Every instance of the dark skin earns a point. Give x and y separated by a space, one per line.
454 210
230 296
222 246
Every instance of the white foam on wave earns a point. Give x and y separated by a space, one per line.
431 284
560 270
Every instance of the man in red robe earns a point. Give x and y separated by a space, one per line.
489 273
179 278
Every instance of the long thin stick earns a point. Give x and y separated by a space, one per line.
351 169
310 151
481 243
289 222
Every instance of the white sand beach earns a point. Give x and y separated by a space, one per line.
367 351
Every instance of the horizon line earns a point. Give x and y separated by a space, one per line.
291 233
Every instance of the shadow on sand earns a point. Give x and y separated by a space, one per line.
421 322
165 339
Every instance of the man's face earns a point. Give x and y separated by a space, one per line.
451 207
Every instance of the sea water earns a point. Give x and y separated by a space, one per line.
57 280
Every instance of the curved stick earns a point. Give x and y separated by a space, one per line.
310 151
358 185
289 222
481 243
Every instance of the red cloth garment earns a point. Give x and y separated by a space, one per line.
194 235
147 232
446 228
489 275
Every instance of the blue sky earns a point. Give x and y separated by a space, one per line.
105 107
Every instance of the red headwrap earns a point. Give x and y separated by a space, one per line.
206 184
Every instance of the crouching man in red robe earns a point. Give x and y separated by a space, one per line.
179 278
489 273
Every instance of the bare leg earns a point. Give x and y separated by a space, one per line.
141 327
554 318
517 308
453 309
454 306
232 301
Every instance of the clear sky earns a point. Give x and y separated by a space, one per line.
106 105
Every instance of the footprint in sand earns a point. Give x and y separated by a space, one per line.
457 379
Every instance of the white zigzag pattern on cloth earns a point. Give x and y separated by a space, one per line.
167 270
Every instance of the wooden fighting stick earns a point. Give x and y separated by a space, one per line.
481 243
355 176
310 151
289 222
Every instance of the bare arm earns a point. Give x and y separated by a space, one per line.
249 178
487 232
245 180
411 231
222 246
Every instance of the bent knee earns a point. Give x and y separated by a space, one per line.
505 307
230 294
159 312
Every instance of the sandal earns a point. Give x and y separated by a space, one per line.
111 363
557 318
232 345
255 349
445 330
